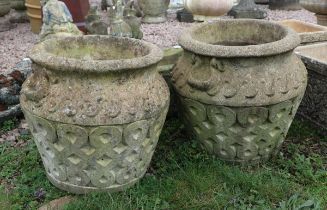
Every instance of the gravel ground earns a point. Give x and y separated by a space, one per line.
16 43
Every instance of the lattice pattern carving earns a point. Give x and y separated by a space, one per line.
239 134
81 159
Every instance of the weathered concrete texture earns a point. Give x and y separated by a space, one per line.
230 75
284 5
309 33
155 11
247 9
96 108
240 134
314 105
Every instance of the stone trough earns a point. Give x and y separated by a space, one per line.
314 104
309 32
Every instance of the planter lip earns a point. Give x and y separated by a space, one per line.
41 56
289 42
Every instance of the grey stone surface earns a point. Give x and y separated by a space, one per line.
247 9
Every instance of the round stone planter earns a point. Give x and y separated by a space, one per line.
208 9
317 6
96 108
18 4
154 11
4 7
239 92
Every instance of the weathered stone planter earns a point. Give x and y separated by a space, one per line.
96 108
155 11
317 6
309 33
314 105
4 7
238 91
208 9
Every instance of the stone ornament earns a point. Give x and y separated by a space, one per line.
57 20
236 90
96 116
154 11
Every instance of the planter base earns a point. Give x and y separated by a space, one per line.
322 19
151 19
202 18
239 134
83 159
84 190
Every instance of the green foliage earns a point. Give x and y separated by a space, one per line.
8 125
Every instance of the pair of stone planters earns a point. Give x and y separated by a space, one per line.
96 108
239 92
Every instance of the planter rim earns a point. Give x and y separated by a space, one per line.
289 42
43 57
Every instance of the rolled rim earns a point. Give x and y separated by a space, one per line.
41 55
288 42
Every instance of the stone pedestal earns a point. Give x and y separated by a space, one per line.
185 16
284 5
247 9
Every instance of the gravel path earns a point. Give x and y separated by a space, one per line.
16 43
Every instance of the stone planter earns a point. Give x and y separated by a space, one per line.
317 6
284 5
314 105
4 7
239 92
18 4
309 32
154 11
96 109
208 9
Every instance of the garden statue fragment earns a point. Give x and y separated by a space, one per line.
94 25
57 20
